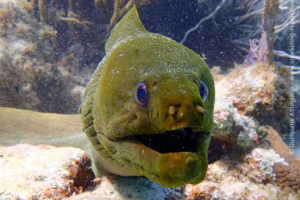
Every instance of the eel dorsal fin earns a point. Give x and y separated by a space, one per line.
129 25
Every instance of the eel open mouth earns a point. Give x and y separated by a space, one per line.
182 140
172 158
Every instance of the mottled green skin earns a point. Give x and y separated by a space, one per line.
109 111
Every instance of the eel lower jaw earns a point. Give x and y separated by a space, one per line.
173 158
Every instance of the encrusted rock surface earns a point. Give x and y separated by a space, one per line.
36 71
251 179
286 175
129 188
248 160
46 172
43 172
248 99
269 171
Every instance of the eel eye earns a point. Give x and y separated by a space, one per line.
203 91
140 94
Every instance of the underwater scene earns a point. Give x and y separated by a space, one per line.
150 99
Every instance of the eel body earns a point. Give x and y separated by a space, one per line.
148 107
29 127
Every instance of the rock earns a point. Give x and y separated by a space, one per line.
46 172
247 99
251 179
128 188
286 175
43 172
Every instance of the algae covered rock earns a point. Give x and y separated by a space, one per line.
248 99
43 172
35 70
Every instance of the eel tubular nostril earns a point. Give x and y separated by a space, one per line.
200 109
171 110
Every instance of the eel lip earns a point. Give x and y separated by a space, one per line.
181 140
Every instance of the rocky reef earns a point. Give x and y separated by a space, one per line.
34 73
48 53
248 99
45 172
248 159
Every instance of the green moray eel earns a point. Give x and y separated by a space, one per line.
148 109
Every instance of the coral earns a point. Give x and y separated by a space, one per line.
278 32
286 45
75 19
33 74
268 21
45 53
117 8
119 11
255 91
219 29
285 17
257 50
93 18
51 61
223 32
234 128
262 49
248 99
210 16
76 23
265 160
286 175
254 22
